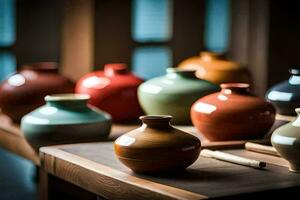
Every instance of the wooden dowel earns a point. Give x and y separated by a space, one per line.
261 148
232 158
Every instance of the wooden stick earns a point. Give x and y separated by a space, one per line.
232 158
261 148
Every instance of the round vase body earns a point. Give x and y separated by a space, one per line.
173 94
65 118
212 68
113 90
157 147
285 96
286 140
25 90
232 114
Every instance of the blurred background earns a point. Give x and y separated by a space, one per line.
149 35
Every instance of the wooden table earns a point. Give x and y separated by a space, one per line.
92 169
13 140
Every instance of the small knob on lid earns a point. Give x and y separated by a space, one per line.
228 88
115 68
208 56
162 121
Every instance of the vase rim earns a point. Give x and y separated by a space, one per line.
294 71
67 97
41 66
297 110
115 68
234 85
155 117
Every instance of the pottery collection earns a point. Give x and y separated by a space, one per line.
25 90
157 146
184 95
211 67
285 96
173 94
232 114
65 116
113 90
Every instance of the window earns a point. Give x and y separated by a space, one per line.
217 25
151 30
7 37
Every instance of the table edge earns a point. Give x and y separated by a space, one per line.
52 158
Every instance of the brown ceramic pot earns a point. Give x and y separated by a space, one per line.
25 90
211 67
232 114
157 146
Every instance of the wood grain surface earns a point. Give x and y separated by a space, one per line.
94 167
12 139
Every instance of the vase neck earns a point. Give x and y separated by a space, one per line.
208 56
115 69
157 121
172 72
295 76
235 88
42 67
67 101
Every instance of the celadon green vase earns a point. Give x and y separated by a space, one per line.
65 118
286 140
173 94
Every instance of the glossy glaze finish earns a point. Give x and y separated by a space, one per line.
211 67
173 94
285 96
66 117
25 90
232 114
157 146
286 140
113 90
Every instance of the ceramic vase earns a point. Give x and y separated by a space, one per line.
65 118
173 94
285 96
211 67
232 114
286 140
157 147
113 90
25 90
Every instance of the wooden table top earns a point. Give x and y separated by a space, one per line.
12 138
94 167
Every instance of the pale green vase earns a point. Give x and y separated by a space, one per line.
65 118
286 140
174 94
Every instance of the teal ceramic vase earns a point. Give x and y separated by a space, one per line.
65 118
174 94
286 140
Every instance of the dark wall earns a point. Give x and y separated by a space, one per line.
284 39
38 30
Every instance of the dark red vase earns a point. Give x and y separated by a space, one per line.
25 90
232 114
113 90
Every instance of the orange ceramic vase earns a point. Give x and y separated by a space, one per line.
211 67
232 114
157 146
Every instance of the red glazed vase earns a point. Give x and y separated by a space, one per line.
25 90
113 90
232 114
